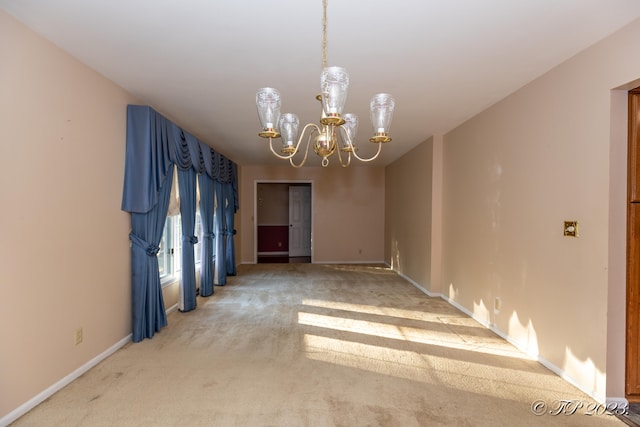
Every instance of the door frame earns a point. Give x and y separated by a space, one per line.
255 208
632 332
616 322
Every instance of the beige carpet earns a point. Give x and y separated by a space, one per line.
314 345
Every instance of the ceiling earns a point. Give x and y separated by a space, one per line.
200 62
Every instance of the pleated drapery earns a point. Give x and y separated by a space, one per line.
220 272
148 312
187 293
154 146
207 203
229 213
188 161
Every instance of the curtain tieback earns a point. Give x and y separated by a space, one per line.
151 250
208 235
234 232
190 239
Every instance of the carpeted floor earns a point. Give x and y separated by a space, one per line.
316 345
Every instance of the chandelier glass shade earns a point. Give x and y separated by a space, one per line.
334 126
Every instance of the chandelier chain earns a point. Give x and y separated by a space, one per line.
324 34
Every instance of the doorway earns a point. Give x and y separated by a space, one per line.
632 380
283 222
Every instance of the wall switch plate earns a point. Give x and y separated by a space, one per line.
571 228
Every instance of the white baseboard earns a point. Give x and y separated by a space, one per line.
348 262
618 400
42 396
325 262
617 403
174 307
426 291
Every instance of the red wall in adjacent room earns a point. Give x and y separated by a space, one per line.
273 238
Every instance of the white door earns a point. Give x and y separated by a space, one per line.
299 220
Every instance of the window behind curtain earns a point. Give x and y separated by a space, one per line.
170 253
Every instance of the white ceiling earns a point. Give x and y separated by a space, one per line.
200 62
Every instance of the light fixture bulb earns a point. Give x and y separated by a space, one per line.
288 127
349 131
381 109
334 82
268 104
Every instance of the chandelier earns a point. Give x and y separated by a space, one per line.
334 125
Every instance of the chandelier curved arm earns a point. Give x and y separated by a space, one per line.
352 149
295 151
371 158
280 156
343 164
306 151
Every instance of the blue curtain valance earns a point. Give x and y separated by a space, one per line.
154 144
190 151
147 160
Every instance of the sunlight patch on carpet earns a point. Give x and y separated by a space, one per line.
405 333
443 371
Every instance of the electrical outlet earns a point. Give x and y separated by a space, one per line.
496 305
78 336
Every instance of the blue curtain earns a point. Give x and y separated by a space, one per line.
147 186
229 212
146 232
186 156
187 186
207 202
220 273
153 146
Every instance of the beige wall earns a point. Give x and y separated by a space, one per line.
347 210
273 204
552 151
64 251
408 207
